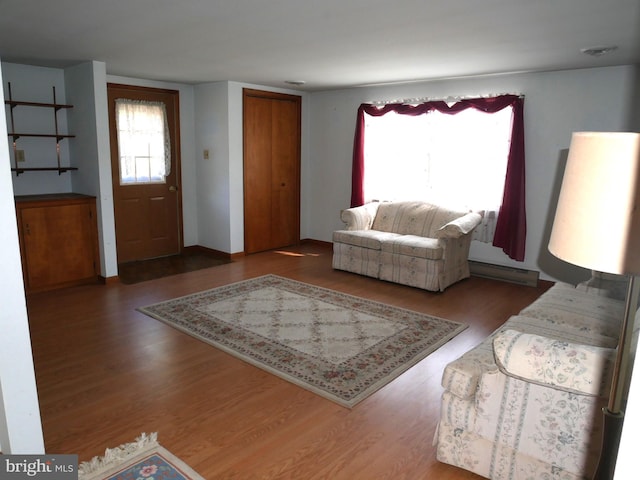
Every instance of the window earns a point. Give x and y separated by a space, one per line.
455 160
143 142
468 156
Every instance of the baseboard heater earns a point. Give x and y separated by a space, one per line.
506 274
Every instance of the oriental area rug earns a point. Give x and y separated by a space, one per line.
334 344
144 459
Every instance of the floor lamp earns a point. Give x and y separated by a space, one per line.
597 226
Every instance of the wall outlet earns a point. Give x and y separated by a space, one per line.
20 156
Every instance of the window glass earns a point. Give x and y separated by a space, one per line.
455 160
143 142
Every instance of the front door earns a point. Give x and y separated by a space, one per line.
145 161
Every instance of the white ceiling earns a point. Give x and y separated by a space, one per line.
327 43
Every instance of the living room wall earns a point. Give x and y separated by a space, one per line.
20 426
83 86
219 125
34 83
556 104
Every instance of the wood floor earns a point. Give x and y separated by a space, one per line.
106 373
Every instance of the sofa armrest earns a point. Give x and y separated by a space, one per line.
359 218
460 226
572 367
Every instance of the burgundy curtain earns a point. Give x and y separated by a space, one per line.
511 225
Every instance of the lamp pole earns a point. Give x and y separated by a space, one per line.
613 413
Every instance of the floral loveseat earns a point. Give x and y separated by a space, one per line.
412 243
527 402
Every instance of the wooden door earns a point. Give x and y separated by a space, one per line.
147 212
271 170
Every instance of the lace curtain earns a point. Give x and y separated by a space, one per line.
143 141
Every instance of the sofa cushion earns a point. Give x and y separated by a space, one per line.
412 218
363 238
571 308
560 331
571 367
414 246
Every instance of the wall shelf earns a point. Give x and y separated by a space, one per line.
57 135
16 103
60 170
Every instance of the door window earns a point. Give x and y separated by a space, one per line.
143 141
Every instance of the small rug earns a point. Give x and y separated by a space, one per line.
142 459
336 345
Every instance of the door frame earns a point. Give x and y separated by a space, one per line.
175 146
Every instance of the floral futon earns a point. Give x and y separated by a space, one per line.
413 243
527 402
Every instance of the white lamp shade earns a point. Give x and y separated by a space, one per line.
597 222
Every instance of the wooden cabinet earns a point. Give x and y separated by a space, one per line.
58 240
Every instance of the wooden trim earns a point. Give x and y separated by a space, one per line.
109 280
140 89
249 92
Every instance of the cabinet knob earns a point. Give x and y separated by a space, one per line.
173 188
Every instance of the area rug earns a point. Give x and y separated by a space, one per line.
336 345
142 459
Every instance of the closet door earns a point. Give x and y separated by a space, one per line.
271 170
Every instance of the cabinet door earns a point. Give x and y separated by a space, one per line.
59 244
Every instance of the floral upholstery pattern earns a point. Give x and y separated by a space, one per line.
557 363
526 403
412 243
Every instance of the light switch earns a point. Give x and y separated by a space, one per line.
20 156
